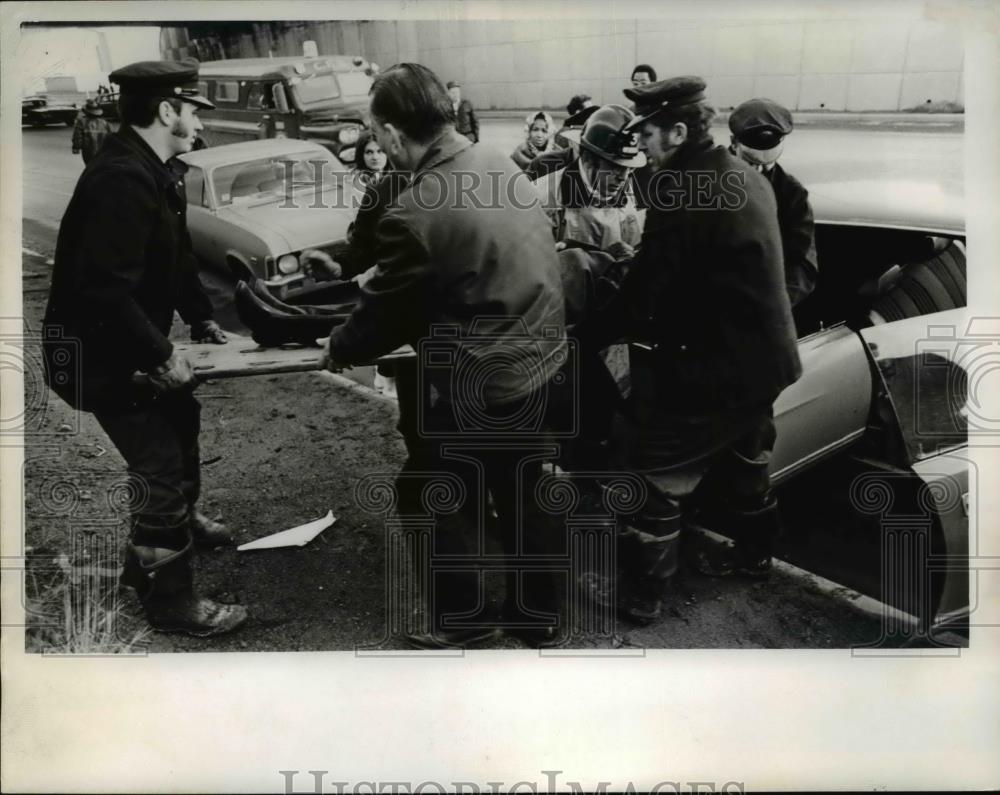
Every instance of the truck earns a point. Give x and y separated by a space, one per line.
321 98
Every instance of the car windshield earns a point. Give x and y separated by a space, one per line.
355 84
317 88
272 178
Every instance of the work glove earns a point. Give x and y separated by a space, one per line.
620 250
175 373
208 331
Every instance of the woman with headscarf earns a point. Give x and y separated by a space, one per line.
539 130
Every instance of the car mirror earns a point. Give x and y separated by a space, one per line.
280 100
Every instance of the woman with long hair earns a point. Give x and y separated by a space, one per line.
369 159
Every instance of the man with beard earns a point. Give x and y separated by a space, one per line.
705 303
123 264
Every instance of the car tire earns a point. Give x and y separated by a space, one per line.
935 285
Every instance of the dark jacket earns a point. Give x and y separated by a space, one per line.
89 133
547 162
466 122
707 290
798 241
123 264
357 254
477 260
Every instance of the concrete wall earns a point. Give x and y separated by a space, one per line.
816 64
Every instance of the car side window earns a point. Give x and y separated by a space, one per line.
227 91
194 185
259 97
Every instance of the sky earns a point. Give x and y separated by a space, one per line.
51 52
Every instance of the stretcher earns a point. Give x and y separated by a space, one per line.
241 356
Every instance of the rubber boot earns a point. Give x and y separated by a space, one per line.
271 328
163 581
647 558
754 530
656 546
259 289
207 533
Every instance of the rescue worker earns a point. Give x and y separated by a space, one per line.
484 266
590 205
590 201
89 130
713 345
123 264
759 128
538 132
466 122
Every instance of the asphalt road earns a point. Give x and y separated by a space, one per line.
864 152
282 450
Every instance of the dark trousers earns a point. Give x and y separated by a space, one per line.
686 457
455 480
158 438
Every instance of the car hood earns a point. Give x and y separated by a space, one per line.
301 227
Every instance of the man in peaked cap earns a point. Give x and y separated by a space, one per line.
123 265
759 127
713 345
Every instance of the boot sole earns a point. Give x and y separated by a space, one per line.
238 616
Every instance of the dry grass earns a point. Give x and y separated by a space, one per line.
73 607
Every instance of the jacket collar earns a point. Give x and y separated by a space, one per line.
442 149
575 192
690 152
166 173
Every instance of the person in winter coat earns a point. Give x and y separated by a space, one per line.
539 130
123 266
89 130
466 122
472 283
759 127
713 345
591 207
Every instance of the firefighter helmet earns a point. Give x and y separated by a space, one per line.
604 135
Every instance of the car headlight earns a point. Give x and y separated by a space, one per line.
287 264
349 135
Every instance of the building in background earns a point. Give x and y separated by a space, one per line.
896 62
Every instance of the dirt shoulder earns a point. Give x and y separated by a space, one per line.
281 450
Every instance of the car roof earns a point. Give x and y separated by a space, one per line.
279 67
927 206
248 150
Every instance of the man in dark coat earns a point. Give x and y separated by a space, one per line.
468 275
466 122
704 302
759 127
123 264
89 130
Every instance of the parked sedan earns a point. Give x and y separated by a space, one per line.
253 207
872 439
